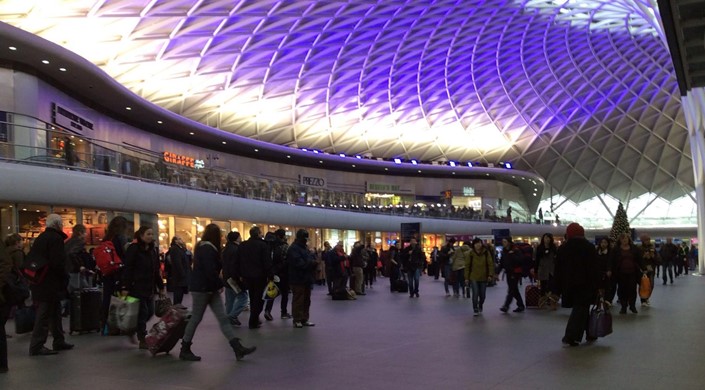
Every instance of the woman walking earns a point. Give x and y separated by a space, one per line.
478 271
511 262
629 267
205 287
546 266
142 278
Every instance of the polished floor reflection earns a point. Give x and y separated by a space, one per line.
391 341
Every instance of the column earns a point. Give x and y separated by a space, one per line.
694 109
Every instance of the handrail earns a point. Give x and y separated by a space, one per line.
124 164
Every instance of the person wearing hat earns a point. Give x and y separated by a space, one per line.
302 266
577 276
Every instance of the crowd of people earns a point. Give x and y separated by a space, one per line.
575 273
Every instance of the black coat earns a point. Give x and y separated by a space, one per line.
254 259
141 275
74 258
179 267
577 272
301 264
50 246
229 261
205 276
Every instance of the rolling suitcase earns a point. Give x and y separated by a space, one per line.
24 319
532 294
401 286
168 331
85 310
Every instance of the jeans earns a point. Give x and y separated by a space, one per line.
145 314
414 276
513 291
667 267
4 313
179 294
446 276
201 300
284 294
48 319
235 303
478 294
301 302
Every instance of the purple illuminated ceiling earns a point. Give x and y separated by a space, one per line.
580 92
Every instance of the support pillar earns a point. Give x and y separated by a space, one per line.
694 109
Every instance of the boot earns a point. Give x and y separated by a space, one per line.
240 350
186 353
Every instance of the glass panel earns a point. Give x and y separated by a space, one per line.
6 225
32 220
96 221
68 217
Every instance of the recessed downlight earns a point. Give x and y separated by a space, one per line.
160 122
256 150
12 48
190 133
224 143
62 69
288 156
128 108
46 62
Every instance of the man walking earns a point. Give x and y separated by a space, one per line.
669 257
301 277
280 268
254 268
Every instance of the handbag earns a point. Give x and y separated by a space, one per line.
16 290
162 305
600 322
123 313
645 287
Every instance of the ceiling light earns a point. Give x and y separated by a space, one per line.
288 156
160 122
128 108
224 142
45 62
190 133
320 161
453 173
353 165
304 149
256 150
12 48
469 164
451 163
62 69
342 155
397 161
358 157
508 165
315 151
386 169
419 171
414 162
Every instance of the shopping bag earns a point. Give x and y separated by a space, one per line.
271 292
645 287
600 323
123 313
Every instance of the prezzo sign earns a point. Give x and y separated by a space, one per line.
185 161
65 118
312 181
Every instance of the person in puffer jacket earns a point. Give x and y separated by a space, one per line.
478 271
458 261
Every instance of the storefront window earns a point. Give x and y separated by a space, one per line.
31 221
68 217
96 221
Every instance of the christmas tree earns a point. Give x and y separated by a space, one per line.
620 224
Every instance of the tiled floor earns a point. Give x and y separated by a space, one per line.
389 341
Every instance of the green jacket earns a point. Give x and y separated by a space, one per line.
460 257
479 266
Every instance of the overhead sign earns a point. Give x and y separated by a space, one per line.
64 117
385 188
185 161
468 191
312 181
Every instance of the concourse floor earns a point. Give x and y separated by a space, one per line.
391 341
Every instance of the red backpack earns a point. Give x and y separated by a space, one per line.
106 258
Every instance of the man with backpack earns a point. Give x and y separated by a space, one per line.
45 268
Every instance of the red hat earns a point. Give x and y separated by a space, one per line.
574 230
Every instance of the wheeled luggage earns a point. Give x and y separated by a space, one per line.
532 295
24 319
168 331
401 286
85 310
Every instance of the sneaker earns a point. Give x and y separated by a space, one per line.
298 324
476 313
504 309
286 316
268 316
308 323
518 310
570 343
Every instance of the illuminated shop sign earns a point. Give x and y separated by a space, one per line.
185 161
312 181
385 188
468 191
65 118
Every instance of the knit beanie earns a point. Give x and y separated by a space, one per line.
574 230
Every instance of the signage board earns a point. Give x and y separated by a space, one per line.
66 118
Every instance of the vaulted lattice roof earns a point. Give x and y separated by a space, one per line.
581 92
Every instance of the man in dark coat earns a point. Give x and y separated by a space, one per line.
179 269
301 277
47 295
254 267
578 276
280 267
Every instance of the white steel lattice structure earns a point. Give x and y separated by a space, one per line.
581 92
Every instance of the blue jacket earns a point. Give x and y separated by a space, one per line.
205 276
301 264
